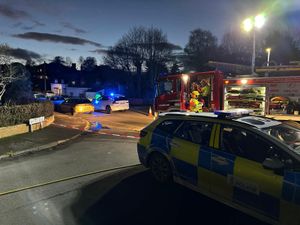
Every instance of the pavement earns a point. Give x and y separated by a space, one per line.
64 128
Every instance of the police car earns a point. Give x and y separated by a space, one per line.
250 163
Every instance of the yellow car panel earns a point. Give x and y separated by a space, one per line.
264 180
185 151
82 108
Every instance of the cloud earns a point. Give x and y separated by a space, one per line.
99 51
72 27
20 53
55 38
34 25
8 11
16 25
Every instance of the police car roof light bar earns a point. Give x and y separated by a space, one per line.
232 113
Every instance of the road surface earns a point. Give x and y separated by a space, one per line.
121 122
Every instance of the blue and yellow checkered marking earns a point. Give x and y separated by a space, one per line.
291 187
186 171
161 140
216 161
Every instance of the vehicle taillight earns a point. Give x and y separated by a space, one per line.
143 133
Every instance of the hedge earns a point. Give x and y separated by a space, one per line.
17 114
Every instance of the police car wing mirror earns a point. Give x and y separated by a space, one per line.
273 164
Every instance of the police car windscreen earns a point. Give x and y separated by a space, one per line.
290 135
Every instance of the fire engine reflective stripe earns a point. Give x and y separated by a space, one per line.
257 187
212 136
217 136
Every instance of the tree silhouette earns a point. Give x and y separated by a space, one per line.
141 48
58 60
89 64
285 46
9 72
201 48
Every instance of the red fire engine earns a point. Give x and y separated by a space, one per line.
272 96
173 91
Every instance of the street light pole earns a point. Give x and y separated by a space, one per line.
268 57
251 24
253 53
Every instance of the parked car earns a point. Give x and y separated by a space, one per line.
40 97
111 103
57 100
76 105
247 162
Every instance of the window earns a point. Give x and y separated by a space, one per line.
165 87
169 126
195 131
245 144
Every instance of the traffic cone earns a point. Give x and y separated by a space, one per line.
150 112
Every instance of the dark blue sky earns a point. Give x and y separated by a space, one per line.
42 29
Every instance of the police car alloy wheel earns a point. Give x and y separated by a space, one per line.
160 168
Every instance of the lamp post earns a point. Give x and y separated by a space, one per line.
251 24
268 50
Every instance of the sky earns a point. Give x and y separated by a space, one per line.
43 29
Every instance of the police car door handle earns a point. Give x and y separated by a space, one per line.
220 160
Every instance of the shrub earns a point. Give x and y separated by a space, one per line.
17 114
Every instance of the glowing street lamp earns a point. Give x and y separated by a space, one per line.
268 50
251 24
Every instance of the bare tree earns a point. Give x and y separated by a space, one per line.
8 72
141 48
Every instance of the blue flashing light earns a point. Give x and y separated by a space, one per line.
232 112
96 101
112 94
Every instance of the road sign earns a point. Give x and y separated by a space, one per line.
36 120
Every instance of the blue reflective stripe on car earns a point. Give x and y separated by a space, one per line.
187 171
216 161
268 204
291 187
160 140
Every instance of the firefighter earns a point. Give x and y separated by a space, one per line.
205 91
195 104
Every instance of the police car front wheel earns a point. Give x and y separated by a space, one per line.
160 168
